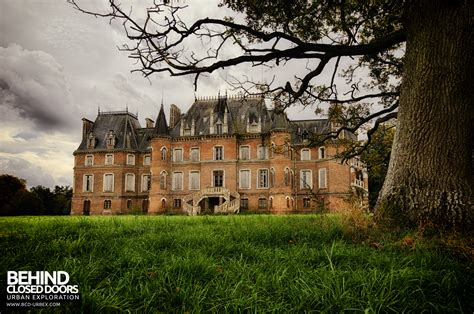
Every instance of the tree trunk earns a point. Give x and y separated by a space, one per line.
430 178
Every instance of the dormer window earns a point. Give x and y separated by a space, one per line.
305 135
218 128
110 140
91 141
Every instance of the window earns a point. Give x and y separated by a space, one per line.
244 152
164 151
244 179
130 159
129 182
262 179
88 183
194 180
322 178
146 160
244 203
287 177
288 202
306 202
322 153
177 181
194 154
306 179
108 182
262 152
163 180
109 159
272 177
218 153
218 128
91 141
107 204
218 178
177 203
110 142
129 204
305 154
146 182
178 154
89 160
262 203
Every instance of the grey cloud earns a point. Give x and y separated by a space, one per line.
34 175
32 83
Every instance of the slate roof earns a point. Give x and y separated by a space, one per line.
129 135
240 111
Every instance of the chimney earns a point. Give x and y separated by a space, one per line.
149 123
86 127
175 115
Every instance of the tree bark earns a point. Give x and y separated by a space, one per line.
430 178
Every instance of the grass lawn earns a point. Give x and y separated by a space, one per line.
255 263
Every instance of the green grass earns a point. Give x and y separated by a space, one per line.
255 263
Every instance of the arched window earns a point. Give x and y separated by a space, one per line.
163 203
164 152
163 175
287 177
288 202
271 202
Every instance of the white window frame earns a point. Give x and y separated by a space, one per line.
265 152
104 189
145 187
131 162
323 150
272 178
198 180
305 150
105 160
145 158
323 173
127 175
305 185
249 179
173 181
240 152
175 151
84 185
191 153
258 178
215 152
86 160
109 202
223 177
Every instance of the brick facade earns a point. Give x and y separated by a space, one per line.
288 177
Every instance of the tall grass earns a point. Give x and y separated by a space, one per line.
237 263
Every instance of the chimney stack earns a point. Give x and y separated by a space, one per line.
86 127
149 123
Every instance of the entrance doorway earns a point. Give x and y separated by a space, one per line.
86 209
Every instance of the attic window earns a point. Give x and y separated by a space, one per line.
219 128
110 139
91 141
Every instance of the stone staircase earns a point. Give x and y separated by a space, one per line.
231 202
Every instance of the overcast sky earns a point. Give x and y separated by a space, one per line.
58 65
